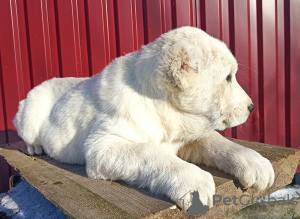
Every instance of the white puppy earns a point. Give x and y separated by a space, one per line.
149 117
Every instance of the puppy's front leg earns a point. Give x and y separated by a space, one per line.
252 169
150 166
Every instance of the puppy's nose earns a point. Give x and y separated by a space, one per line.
251 107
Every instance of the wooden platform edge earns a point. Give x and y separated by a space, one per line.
38 175
60 190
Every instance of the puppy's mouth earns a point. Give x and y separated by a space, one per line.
230 122
226 123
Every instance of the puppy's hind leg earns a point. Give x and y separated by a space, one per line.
30 149
38 150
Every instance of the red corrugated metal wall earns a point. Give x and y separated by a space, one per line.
41 39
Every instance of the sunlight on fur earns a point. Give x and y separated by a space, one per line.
149 117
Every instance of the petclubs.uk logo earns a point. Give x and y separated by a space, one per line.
193 206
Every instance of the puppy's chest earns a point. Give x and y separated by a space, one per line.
179 138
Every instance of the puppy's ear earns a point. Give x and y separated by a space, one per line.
179 71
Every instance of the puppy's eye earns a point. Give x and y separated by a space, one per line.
228 78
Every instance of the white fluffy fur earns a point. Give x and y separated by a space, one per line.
149 117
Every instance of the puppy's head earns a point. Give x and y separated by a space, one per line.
198 73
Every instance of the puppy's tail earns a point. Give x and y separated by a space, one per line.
17 119
25 123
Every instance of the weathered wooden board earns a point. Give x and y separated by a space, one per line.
80 197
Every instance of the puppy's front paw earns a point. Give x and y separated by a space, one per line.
194 184
253 170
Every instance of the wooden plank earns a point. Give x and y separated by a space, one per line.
80 197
